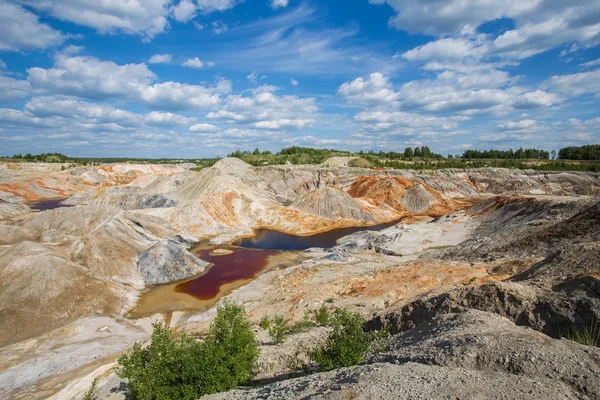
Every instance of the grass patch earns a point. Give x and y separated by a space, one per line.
265 322
301 326
322 316
589 336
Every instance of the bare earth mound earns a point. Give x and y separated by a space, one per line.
332 203
418 200
47 291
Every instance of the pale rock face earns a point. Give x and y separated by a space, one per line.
11 206
49 358
169 261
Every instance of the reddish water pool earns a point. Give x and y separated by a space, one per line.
250 256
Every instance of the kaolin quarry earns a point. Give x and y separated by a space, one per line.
479 283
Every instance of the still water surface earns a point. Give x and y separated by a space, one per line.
267 239
250 255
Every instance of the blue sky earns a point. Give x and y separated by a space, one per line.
200 78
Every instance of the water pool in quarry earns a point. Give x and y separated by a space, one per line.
250 255
243 261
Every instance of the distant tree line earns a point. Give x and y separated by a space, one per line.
588 152
308 155
519 154
407 154
43 157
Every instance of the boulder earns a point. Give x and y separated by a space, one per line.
169 261
156 201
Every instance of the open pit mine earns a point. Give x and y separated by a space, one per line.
480 274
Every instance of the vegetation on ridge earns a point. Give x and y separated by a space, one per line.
584 158
346 345
177 366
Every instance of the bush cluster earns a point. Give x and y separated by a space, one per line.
279 328
177 366
347 343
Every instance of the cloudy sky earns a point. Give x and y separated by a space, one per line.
198 78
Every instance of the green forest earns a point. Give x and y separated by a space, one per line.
584 158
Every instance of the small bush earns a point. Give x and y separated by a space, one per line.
278 329
322 316
346 345
230 350
176 366
92 391
265 322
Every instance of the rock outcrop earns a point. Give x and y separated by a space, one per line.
404 195
525 228
11 206
409 239
156 201
169 261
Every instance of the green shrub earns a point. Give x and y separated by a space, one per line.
346 344
264 322
322 316
176 366
92 391
278 329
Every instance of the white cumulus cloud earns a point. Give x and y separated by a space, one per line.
145 17
193 63
203 127
21 29
275 4
161 59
